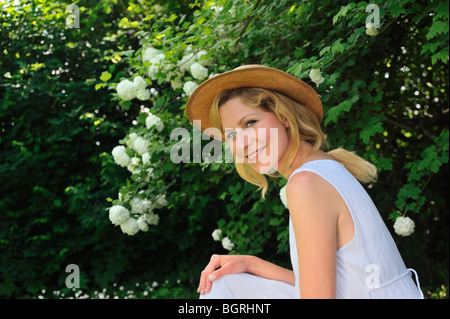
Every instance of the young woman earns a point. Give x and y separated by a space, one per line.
339 244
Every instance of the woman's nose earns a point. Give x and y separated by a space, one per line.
244 141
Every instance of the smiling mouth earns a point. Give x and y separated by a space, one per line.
254 154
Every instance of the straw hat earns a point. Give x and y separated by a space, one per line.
253 75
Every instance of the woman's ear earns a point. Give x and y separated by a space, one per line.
284 121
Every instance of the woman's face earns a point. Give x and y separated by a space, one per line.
256 136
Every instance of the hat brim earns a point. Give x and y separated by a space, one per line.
199 103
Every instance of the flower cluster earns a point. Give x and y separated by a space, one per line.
404 226
138 290
159 67
130 212
128 90
133 211
371 29
138 147
139 216
316 76
283 196
226 241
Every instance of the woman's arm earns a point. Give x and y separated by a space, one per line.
265 269
314 207
221 265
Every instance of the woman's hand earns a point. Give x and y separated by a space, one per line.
220 265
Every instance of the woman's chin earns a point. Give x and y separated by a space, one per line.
264 169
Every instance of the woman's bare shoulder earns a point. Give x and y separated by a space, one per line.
307 189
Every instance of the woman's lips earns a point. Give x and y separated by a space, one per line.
254 154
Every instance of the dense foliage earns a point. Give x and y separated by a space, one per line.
69 96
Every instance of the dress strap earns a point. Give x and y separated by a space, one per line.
417 280
403 275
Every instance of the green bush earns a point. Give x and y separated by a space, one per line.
63 112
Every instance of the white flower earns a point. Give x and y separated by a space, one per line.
283 196
404 226
142 224
135 161
153 120
147 203
139 83
161 201
270 171
177 83
149 54
316 76
138 206
371 29
220 29
118 214
143 94
158 8
133 164
120 156
201 60
216 234
169 74
198 71
140 145
189 87
157 63
152 219
126 90
130 226
186 61
150 172
227 244
131 139
146 158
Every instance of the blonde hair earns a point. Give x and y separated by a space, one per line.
304 126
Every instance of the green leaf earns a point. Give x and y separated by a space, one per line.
441 55
343 12
438 27
384 164
275 221
172 18
395 11
434 166
57 203
335 112
429 47
124 23
296 69
337 47
99 86
125 105
149 17
371 130
105 76
134 24
325 50
442 11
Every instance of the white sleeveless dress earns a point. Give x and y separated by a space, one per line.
369 266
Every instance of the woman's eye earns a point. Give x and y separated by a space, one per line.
230 135
251 121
